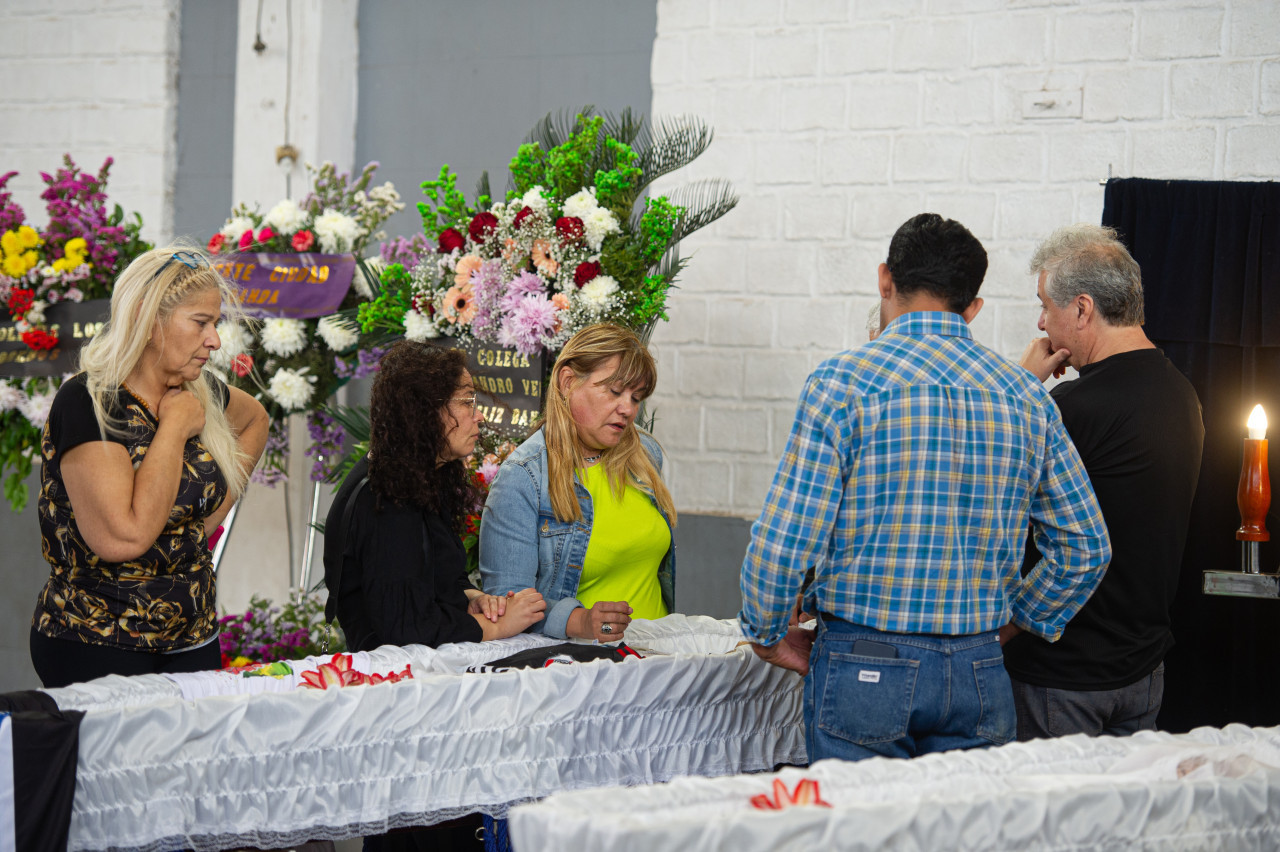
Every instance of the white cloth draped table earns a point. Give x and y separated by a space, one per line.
1209 789
215 761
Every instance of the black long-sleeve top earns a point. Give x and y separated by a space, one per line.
403 572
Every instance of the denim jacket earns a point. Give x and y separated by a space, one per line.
523 545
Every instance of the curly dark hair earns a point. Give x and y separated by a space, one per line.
409 419
938 256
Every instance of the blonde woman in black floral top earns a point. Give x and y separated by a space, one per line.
144 454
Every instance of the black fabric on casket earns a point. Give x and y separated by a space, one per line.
45 744
567 652
1210 258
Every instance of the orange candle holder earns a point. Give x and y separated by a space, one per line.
1253 495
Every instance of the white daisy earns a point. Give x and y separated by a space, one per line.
337 231
291 388
286 217
418 327
284 337
597 293
581 204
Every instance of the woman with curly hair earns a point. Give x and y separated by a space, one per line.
393 555
580 509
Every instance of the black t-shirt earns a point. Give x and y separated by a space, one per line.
403 572
1136 421
160 601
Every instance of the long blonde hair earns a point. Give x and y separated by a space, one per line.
626 463
146 294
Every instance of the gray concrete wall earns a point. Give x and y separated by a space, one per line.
462 83
709 551
206 117
24 572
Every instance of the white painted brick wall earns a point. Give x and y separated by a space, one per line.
837 121
92 80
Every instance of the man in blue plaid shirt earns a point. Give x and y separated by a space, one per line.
912 468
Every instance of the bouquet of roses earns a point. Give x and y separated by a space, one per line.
75 257
574 243
294 365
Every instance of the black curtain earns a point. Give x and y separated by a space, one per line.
1210 258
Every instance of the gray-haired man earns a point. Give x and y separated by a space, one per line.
1136 422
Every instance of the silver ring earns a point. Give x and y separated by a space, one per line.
606 628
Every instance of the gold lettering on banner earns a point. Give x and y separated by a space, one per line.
532 387
493 414
89 329
521 416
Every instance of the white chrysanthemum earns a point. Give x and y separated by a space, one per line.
236 226
596 293
599 223
235 340
358 281
337 332
284 337
581 204
10 396
291 388
534 200
337 231
35 313
286 217
36 408
418 327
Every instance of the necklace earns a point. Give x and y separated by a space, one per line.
591 459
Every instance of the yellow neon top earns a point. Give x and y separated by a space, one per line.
628 540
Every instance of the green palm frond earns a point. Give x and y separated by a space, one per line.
704 202
675 143
555 128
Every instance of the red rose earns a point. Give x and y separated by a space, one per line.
242 364
303 241
20 299
246 240
525 213
570 229
265 234
450 240
39 339
482 226
585 272
215 243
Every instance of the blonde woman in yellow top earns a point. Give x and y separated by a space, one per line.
579 511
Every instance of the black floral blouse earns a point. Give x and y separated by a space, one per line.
164 599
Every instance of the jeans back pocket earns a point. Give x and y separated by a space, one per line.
867 700
997 718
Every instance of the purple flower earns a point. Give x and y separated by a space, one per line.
524 284
327 437
408 253
529 325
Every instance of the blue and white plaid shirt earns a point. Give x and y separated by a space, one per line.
911 469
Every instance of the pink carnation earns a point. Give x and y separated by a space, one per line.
246 240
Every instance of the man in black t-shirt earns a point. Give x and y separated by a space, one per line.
1137 423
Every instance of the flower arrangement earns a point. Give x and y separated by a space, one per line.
575 242
265 633
295 365
806 793
338 672
75 257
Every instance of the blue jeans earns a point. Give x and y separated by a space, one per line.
939 693
1045 712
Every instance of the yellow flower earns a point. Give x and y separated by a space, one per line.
14 265
77 246
31 258
29 236
11 243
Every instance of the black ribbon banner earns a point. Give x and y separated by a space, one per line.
509 385
73 323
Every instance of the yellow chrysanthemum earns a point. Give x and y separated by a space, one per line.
77 245
11 243
29 236
31 258
14 265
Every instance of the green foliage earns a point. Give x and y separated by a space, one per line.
658 227
448 207
19 440
386 311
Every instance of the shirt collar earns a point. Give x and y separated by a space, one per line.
919 323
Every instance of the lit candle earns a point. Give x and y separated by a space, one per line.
1257 424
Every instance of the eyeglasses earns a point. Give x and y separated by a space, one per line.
468 402
189 259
